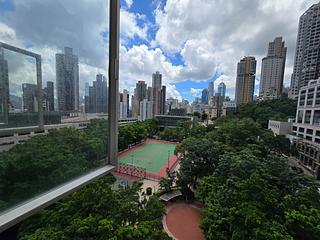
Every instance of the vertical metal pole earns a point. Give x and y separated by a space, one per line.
114 22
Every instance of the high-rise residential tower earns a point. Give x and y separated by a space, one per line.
67 74
211 89
4 89
140 93
163 100
29 97
156 80
307 58
48 97
158 94
97 99
246 74
272 70
101 94
124 104
204 96
221 89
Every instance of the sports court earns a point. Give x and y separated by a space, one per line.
153 155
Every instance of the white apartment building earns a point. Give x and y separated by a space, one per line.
307 127
145 110
279 127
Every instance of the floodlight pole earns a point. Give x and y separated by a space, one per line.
114 22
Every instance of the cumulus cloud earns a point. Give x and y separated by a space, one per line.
223 31
129 3
195 92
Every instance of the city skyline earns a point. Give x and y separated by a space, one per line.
182 75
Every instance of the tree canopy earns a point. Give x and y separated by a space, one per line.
248 190
98 212
262 112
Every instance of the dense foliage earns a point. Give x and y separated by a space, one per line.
262 112
45 161
100 213
183 130
247 188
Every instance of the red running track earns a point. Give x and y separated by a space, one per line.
182 222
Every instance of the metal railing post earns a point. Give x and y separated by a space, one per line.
114 23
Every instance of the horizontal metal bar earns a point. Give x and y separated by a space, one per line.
17 214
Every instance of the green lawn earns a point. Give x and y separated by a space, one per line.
151 156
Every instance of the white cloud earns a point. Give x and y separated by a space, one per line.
215 35
129 3
173 92
195 92
129 27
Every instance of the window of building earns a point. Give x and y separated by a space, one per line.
309 131
300 116
307 117
309 138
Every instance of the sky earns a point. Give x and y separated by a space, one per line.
191 42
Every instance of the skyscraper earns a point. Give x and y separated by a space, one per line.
307 58
4 89
272 70
140 93
97 101
156 80
145 110
157 94
204 96
246 74
48 97
67 74
211 89
163 100
221 90
29 97
124 104
101 94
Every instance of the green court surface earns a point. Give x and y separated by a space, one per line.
151 155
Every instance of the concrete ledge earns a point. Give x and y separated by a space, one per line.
17 214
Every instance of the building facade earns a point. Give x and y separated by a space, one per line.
145 110
158 94
211 89
228 107
124 104
204 96
279 127
29 97
48 97
246 74
222 89
307 126
97 99
140 93
307 58
272 70
67 80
